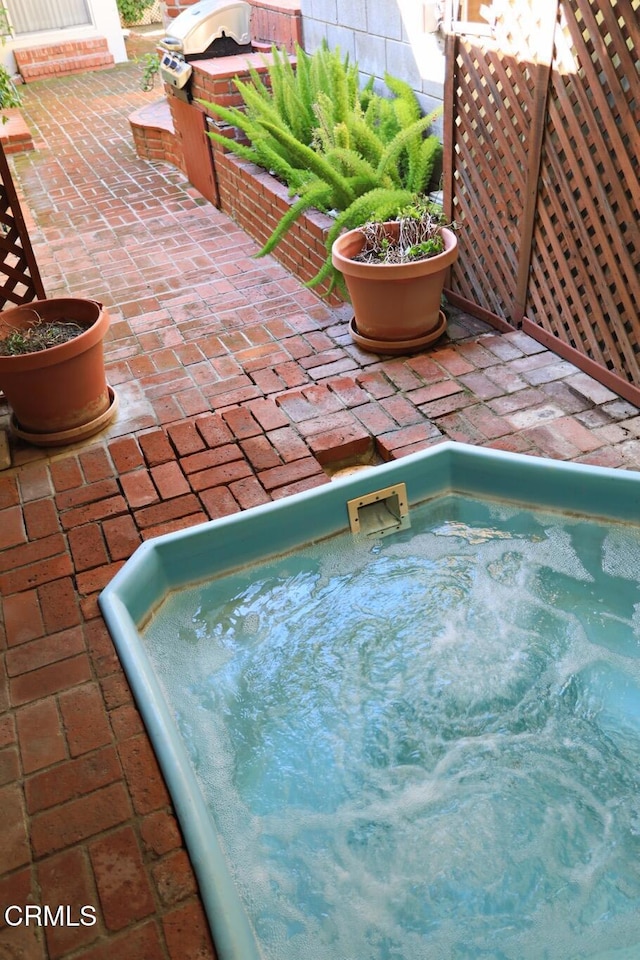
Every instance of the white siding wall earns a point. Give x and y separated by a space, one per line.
29 16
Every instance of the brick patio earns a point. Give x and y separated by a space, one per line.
236 385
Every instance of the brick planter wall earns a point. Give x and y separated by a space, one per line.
257 201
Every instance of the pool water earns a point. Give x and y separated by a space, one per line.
427 745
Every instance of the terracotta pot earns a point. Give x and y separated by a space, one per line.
396 306
60 394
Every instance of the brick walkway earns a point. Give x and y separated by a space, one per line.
236 385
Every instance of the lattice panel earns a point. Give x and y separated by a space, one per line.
585 267
493 94
19 276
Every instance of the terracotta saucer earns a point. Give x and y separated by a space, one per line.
395 347
73 435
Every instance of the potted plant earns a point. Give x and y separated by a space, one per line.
52 370
395 271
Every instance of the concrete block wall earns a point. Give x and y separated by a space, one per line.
382 36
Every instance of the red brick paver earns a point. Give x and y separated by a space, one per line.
236 386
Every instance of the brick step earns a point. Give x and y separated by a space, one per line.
15 135
62 59
156 115
154 134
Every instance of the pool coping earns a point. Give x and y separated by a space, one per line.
171 561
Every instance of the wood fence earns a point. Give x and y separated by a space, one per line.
542 174
20 280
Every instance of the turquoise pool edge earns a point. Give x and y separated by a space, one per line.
210 549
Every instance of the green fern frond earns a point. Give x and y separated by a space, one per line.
376 204
257 80
303 81
366 94
319 73
243 150
265 153
305 157
322 193
230 115
278 80
341 136
387 121
405 102
269 158
366 141
394 149
422 173
363 184
295 114
323 130
339 91
256 106
311 198
284 80
352 164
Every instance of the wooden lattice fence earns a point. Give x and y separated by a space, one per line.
542 173
20 280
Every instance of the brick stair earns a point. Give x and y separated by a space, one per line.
62 59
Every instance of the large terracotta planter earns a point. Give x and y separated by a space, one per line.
58 395
396 306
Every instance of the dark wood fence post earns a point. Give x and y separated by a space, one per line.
20 280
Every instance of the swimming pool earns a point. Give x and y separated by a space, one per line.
466 671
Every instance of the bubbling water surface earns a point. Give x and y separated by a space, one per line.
423 747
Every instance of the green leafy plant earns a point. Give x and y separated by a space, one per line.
40 335
132 11
419 235
9 96
5 26
150 69
341 149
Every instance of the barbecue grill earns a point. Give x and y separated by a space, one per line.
210 28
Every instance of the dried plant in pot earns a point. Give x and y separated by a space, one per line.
395 273
52 370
